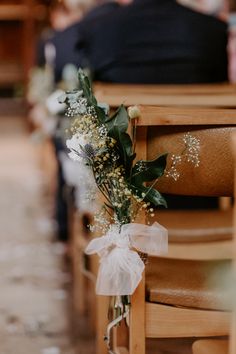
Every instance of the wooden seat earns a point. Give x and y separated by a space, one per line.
185 283
180 301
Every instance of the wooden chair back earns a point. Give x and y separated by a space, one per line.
213 128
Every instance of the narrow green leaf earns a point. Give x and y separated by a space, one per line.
100 114
151 195
119 121
117 126
85 85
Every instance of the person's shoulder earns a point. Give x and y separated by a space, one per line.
69 32
200 16
101 10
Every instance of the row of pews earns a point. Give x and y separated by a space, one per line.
174 299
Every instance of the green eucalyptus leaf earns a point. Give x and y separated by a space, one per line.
147 171
151 195
85 86
118 121
100 114
126 149
117 126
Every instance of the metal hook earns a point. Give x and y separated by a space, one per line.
109 328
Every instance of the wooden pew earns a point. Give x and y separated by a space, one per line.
157 117
222 95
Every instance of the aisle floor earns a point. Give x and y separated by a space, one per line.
34 282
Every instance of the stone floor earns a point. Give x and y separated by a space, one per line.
34 282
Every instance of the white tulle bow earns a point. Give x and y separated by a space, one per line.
121 268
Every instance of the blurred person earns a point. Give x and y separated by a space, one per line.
66 54
152 41
62 16
64 13
65 41
53 57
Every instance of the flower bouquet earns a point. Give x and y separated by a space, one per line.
101 142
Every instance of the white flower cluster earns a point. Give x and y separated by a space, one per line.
77 103
192 149
189 154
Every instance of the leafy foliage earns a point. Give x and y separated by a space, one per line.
103 143
147 171
85 86
117 125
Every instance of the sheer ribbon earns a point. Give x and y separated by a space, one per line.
121 268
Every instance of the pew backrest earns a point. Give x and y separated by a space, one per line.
211 95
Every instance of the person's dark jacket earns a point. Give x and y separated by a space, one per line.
155 41
65 41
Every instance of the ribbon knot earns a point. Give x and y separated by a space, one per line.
117 237
121 268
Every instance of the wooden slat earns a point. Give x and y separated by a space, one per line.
121 350
21 12
132 99
120 337
217 250
137 314
151 116
211 346
188 89
102 303
137 320
10 73
208 95
13 12
167 322
233 324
